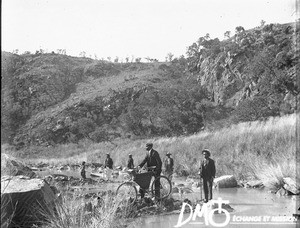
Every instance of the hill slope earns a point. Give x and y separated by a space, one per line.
51 98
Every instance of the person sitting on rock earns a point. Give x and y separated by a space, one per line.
207 173
82 170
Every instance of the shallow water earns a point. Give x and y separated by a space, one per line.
73 173
254 204
248 204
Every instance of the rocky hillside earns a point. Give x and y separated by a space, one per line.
253 71
51 98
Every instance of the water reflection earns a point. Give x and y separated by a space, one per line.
253 203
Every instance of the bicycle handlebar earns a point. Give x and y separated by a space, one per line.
136 170
150 168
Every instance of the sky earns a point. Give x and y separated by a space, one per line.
130 28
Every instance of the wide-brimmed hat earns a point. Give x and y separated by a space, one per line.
149 144
129 154
168 153
207 151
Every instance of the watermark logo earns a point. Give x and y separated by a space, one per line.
206 212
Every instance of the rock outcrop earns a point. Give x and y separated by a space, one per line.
25 201
291 185
10 166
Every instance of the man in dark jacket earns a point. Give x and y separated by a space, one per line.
207 173
169 166
108 162
152 159
130 164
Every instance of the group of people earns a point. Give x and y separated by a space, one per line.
207 169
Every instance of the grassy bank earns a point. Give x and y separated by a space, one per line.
262 149
72 212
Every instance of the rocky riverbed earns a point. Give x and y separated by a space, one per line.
64 182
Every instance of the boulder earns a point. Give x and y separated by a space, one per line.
254 184
190 179
196 184
10 166
282 192
177 205
169 204
291 185
185 190
175 190
180 185
227 181
25 201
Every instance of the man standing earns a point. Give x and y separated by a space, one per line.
152 159
207 173
108 162
169 166
130 164
109 166
82 170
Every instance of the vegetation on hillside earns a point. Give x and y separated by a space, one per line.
264 150
254 69
50 99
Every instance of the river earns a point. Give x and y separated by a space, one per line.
252 208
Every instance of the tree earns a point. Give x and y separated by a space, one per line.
82 54
61 51
138 60
239 29
227 34
170 56
207 36
253 109
83 127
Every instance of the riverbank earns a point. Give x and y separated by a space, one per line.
262 150
92 202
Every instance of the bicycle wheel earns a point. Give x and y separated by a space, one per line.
127 192
161 187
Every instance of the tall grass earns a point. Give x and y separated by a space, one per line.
245 150
74 212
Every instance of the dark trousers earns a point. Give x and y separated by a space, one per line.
83 174
156 185
207 188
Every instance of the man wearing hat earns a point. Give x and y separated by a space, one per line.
108 162
152 159
207 173
109 166
130 164
169 166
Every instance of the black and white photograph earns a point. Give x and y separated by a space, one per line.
150 113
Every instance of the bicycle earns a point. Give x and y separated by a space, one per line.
128 189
